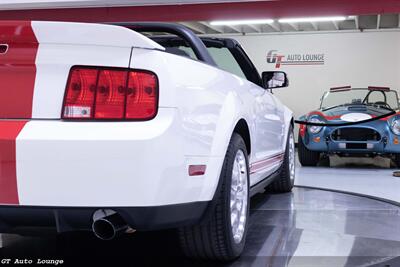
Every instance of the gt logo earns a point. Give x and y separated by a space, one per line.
273 57
3 49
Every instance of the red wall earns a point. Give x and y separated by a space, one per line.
239 10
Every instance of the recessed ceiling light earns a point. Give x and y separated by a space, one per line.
311 19
241 22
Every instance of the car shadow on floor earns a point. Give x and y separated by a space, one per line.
286 229
356 162
159 248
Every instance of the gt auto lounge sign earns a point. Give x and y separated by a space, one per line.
278 59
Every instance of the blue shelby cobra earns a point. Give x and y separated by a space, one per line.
346 105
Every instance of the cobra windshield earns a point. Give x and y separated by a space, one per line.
381 98
376 102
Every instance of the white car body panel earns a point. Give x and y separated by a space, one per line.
206 98
138 164
52 32
108 164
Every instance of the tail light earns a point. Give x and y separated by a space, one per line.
110 94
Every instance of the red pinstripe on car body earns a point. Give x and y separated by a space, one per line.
265 163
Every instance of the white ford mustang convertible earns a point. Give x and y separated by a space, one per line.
116 128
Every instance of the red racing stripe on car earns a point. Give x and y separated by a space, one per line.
302 130
18 50
9 131
388 118
324 116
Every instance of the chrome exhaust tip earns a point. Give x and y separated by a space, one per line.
109 227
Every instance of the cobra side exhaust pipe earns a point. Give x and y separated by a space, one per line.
110 225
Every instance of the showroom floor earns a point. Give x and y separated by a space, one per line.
307 227
365 176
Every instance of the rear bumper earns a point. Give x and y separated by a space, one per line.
105 164
32 220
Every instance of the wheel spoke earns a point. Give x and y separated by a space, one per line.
292 158
239 196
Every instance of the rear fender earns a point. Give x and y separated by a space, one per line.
230 114
289 122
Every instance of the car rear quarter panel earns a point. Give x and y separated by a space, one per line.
211 101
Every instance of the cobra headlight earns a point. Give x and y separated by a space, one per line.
315 129
395 126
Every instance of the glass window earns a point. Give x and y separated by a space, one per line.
376 96
225 60
222 56
360 96
189 51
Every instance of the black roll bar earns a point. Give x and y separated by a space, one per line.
190 37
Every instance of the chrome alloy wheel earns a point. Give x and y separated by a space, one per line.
292 158
239 196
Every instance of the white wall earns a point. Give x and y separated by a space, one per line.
351 58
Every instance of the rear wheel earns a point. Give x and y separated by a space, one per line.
285 181
223 235
306 156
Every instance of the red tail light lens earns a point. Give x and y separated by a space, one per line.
102 93
79 98
141 95
110 95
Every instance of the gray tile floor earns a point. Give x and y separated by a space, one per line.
304 228
366 176
318 228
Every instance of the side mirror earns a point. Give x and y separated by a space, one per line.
274 79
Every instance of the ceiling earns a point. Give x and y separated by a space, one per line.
362 22
35 4
197 14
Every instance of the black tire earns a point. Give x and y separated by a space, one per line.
213 238
324 161
306 156
396 160
283 183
